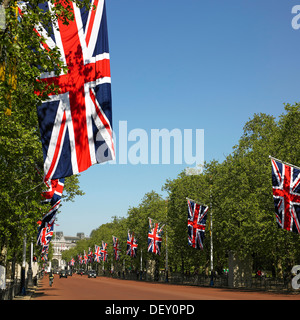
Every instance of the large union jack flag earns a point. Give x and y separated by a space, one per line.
154 237
75 124
131 245
286 194
197 216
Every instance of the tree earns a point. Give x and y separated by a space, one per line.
22 60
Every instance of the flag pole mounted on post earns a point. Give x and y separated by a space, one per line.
211 244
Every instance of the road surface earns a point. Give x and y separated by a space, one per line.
79 287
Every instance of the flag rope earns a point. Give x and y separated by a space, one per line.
30 189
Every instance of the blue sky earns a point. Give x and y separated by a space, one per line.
193 64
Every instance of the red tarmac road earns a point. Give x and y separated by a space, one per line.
83 288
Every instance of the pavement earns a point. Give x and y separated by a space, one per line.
28 294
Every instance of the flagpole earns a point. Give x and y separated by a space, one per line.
141 264
167 267
211 243
288 164
167 257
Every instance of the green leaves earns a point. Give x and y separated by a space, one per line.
22 60
238 192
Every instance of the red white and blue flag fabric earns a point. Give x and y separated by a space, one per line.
54 192
97 257
91 255
116 248
76 123
103 251
286 195
197 215
155 237
45 235
72 262
85 257
131 245
49 218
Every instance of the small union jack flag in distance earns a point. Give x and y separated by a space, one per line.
154 237
45 235
131 245
116 248
104 251
197 216
286 195
54 192
97 253
85 257
91 256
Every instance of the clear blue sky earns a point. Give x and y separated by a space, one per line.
193 64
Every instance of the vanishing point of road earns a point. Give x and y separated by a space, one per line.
79 287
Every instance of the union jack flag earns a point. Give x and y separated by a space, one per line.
75 124
54 192
90 255
97 253
45 249
72 262
131 245
85 257
116 248
49 218
104 251
45 235
197 216
286 195
154 237
80 259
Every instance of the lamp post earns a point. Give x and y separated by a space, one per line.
29 272
23 282
167 256
141 268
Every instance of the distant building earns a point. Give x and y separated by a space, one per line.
61 243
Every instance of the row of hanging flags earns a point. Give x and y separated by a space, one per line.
76 122
53 196
286 196
154 245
